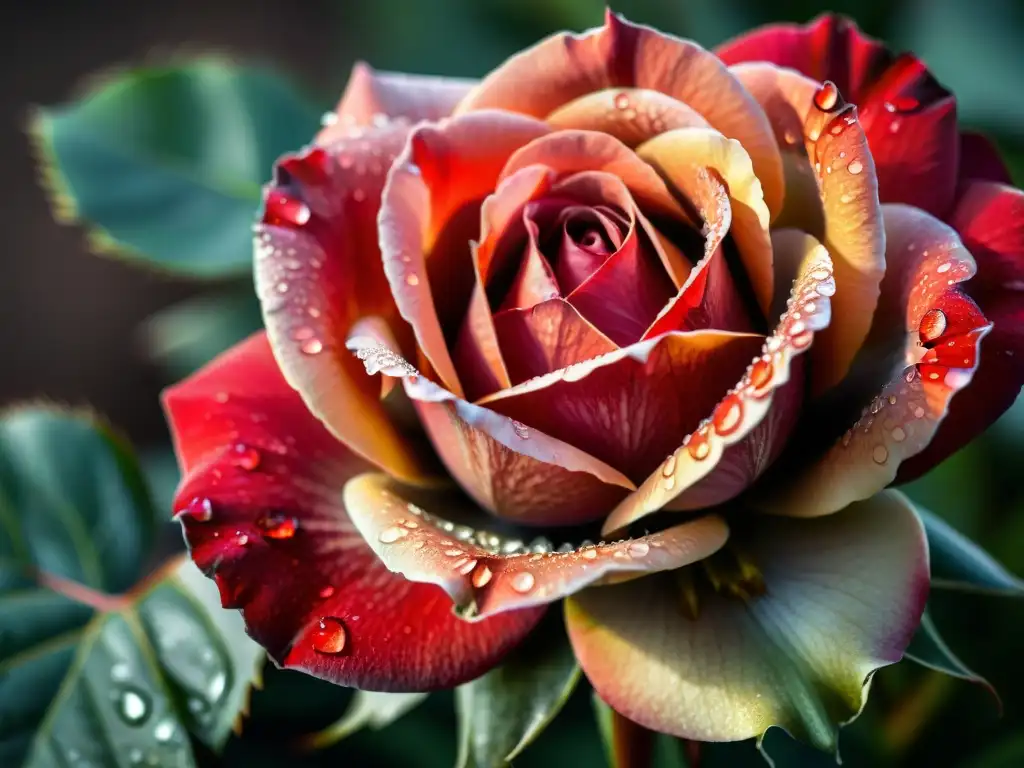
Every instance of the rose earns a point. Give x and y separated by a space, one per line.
612 249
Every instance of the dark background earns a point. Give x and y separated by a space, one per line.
69 320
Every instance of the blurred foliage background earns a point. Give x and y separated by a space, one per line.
86 330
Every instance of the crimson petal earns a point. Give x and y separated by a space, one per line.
263 516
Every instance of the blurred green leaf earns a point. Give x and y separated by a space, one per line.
928 649
503 711
665 751
89 676
1008 753
165 164
959 563
187 335
368 709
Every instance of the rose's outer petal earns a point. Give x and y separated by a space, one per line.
410 535
854 234
317 269
980 159
371 97
687 152
509 469
631 115
546 337
428 215
749 426
263 516
844 596
633 406
990 220
923 348
623 55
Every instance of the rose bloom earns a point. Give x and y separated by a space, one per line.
702 308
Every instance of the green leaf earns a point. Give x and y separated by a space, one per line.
503 711
368 709
928 649
661 751
86 676
166 164
958 563
187 335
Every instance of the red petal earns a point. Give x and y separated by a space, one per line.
510 470
747 429
263 516
487 574
429 214
319 228
990 220
625 408
980 159
546 337
371 97
624 55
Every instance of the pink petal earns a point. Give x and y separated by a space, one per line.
318 230
487 574
745 432
261 506
623 55
922 349
510 470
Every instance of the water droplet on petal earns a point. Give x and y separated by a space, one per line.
199 509
638 548
590 554
329 636
761 373
481 576
412 279
284 210
523 582
392 534
880 454
312 347
327 592
898 434
521 430
699 446
133 706
855 167
278 526
164 730
246 457
933 325
826 97
669 467
728 415
622 101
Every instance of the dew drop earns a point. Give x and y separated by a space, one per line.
699 446
919 412
120 672
328 119
330 636
622 101
855 167
412 279
246 457
481 576
278 526
312 347
898 434
521 430
826 288
133 706
327 592
467 567
590 554
302 333
761 373
242 539
933 325
164 731
392 534
827 96
523 582
728 415
669 467
638 548
284 210
880 454
199 509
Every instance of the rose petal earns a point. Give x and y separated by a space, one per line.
631 115
546 337
843 597
623 55
263 516
625 407
318 229
535 281
428 215
681 154
990 220
854 231
749 426
510 470
484 573
980 159
372 96
921 351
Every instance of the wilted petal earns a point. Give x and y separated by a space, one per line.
510 470
990 219
429 213
546 337
922 349
843 596
261 505
684 153
623 55
631 115
745 432
631 407
487 574
372 97
317 269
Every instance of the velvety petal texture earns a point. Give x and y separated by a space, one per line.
842 596
263 515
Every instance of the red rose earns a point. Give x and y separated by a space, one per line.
616 248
